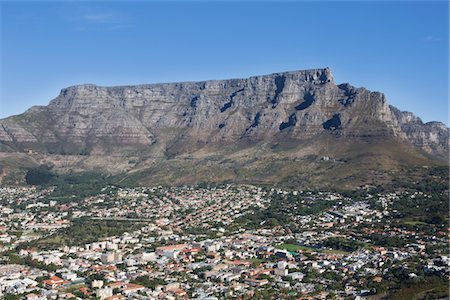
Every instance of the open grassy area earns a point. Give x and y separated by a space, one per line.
294 248
413 222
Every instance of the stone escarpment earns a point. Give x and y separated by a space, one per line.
89 119
432 137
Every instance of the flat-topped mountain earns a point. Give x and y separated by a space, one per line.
233 126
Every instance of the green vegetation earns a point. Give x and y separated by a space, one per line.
423 210
75 186
72 186
345 245
39 176
294 248
84 231
200 271
429 288
201 231
11 297
413 223
299 205
435 181
147 282
27 260
257 261
282 207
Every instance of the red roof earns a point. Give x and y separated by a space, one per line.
178 247
115 284
54 280
133 286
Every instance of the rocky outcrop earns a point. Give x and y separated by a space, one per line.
89 119
432 137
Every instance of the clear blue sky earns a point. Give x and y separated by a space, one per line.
399 48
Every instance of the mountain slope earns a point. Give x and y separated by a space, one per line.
158 130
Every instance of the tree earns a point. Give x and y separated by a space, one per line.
39 176
11 297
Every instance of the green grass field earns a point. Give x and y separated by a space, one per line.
294 248
412 222
335 251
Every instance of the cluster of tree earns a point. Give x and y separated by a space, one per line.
431 210
80 185
298 204
389 241
148 282
258 218
428 287
40 175
200 230
281 208
200 271
434 182
27 260
12 297
84 231
433 179
342 244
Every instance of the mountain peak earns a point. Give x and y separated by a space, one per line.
303 109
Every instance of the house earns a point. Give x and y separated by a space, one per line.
97 284
70 276
111 257
85 291
280 272
283 284
192 251
282 265
107 258
179 247
171 251
116 285
131 288
229 277
116 297
172 286
148 256
284 254
243 263
256 282
104 293
179 293
296 276
33 296
54 282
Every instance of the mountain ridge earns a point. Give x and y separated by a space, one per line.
161 122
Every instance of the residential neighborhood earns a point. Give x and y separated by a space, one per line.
224 242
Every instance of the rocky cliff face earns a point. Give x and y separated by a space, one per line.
432 137
89 119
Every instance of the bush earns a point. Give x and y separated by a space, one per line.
147 282
39 176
